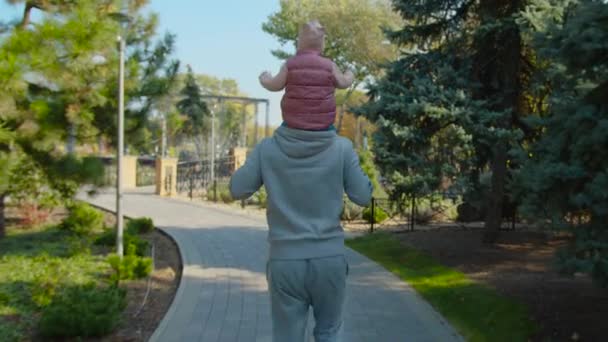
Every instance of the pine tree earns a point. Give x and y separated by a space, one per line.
58 77
564 180
195 109
449 109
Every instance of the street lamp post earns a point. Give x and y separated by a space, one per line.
120 147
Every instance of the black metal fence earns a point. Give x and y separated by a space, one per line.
391 213
194 177
405 215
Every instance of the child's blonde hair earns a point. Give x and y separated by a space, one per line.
311 36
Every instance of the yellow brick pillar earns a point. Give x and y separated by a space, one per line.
166 176
240 155
129 172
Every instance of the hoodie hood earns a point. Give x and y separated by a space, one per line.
303 144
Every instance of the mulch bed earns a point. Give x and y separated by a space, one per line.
141 318
520 266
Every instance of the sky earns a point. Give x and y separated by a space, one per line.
222 38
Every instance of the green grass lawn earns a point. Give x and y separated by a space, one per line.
478 312
34 264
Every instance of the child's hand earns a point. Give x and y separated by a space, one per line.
349 75
265 76
343 80
275 83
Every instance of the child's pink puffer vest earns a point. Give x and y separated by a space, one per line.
309 102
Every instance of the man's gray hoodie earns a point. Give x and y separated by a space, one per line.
305 174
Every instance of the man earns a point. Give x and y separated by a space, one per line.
305 174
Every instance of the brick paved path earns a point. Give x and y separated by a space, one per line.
223 291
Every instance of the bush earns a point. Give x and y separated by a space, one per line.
435 208
424 215
226 197
107 238
350 211
83 311
133 244
261 198
78 245
43 289
29 187
379 215
129 267
366 160
140 225
82 219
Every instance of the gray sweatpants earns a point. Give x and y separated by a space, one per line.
295 285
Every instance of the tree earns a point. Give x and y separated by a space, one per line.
354 126
230 115
58 77
151 77
6 164
195 109
564 176
354 33
451 107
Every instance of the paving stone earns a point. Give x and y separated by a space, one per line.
223 294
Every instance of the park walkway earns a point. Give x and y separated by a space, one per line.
223 291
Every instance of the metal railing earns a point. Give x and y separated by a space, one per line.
195 176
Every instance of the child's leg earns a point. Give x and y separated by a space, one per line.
328 288
289 299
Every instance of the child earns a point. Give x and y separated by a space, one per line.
306 168
309 81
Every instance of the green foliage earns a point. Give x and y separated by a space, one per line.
130 266
379 215
106 238
141 225
192 106
78 244
354 31
223 192
434 208
59 81
82 219
43 289
35 265
29 185
83 311
564 176
261 198
478 312
350 211
134 264
133 244
453 102
366 159
226 196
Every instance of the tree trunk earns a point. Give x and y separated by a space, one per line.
198 144
499 54
496 195
2 220
26 15
342 108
